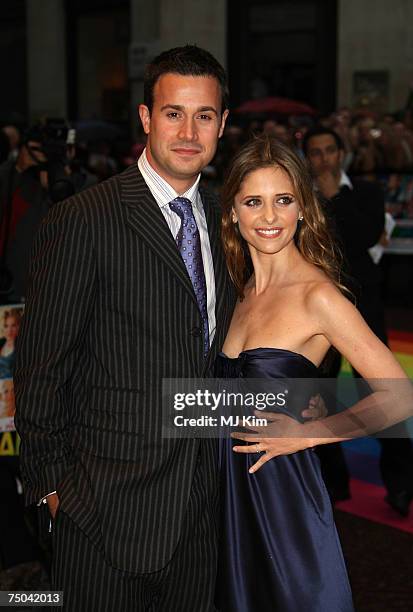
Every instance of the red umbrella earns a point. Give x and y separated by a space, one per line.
280 106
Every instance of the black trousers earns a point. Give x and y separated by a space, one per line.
186 584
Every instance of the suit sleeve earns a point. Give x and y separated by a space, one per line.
359 216
59 305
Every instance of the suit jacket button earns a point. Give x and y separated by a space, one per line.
196 332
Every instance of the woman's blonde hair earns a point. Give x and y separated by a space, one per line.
15 313
313 238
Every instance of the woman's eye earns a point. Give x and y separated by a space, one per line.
253 202
285 200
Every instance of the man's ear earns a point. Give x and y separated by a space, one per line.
223 120
145 116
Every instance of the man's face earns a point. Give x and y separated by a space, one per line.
183 128
31 154
324 155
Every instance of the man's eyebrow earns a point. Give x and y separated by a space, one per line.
201 109
204 109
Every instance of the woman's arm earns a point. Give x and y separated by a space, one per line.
344 327
391 401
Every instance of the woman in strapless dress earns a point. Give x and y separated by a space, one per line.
279 549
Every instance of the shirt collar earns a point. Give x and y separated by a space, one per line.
345 181
160 189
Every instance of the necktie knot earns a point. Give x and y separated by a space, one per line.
182 207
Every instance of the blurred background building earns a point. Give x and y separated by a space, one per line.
83 59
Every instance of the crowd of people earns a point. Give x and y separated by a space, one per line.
374 143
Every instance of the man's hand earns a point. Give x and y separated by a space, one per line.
317 409
52 503
328 183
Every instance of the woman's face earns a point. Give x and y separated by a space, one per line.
11 328
7 391
267 210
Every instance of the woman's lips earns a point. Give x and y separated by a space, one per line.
268 232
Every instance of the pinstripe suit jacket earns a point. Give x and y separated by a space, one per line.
111 311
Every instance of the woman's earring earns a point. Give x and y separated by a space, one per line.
300 218
234 219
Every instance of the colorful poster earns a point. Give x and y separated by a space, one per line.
10 319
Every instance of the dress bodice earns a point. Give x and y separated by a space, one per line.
266 362
275 365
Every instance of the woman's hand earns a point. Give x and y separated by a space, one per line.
282 435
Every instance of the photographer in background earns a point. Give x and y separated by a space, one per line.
45 172
23 204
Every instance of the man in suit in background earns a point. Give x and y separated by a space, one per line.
356 209
115 305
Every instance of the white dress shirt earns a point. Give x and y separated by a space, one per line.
345 180
163 194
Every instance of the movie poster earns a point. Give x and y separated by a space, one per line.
10 318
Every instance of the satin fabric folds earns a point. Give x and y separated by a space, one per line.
279 548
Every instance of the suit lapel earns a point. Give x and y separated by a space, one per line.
224 298
212 215
145 218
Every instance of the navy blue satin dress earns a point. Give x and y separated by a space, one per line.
279 548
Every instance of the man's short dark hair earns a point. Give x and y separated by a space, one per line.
189 60
321 131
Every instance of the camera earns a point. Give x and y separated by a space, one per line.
55 137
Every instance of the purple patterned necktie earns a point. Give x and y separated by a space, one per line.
189 245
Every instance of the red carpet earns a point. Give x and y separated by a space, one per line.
367 495
396 334
401 342
368 502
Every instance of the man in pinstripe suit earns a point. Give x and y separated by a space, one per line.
112 310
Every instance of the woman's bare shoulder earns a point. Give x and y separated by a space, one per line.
323 297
